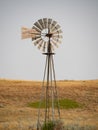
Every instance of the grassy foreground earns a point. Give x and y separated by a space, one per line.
16 115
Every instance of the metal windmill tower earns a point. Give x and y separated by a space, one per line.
46 34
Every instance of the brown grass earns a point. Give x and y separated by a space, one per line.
15 95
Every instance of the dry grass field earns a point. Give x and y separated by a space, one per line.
16 115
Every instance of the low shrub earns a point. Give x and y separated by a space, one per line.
53 125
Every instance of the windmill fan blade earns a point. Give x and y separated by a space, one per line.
53 24
40 44
38 26
57 36
41 23
56 28
44 47
49 23
54 43
60 36
45 22
56 40
36 29
35 38
37 41
57 32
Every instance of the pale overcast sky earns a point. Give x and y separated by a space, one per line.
77 56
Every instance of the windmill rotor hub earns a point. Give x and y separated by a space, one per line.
49 35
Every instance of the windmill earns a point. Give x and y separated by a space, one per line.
46 35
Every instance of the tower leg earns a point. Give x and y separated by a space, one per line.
42 96
56 93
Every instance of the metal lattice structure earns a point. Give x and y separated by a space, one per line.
46 35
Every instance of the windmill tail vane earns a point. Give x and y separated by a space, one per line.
28 33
